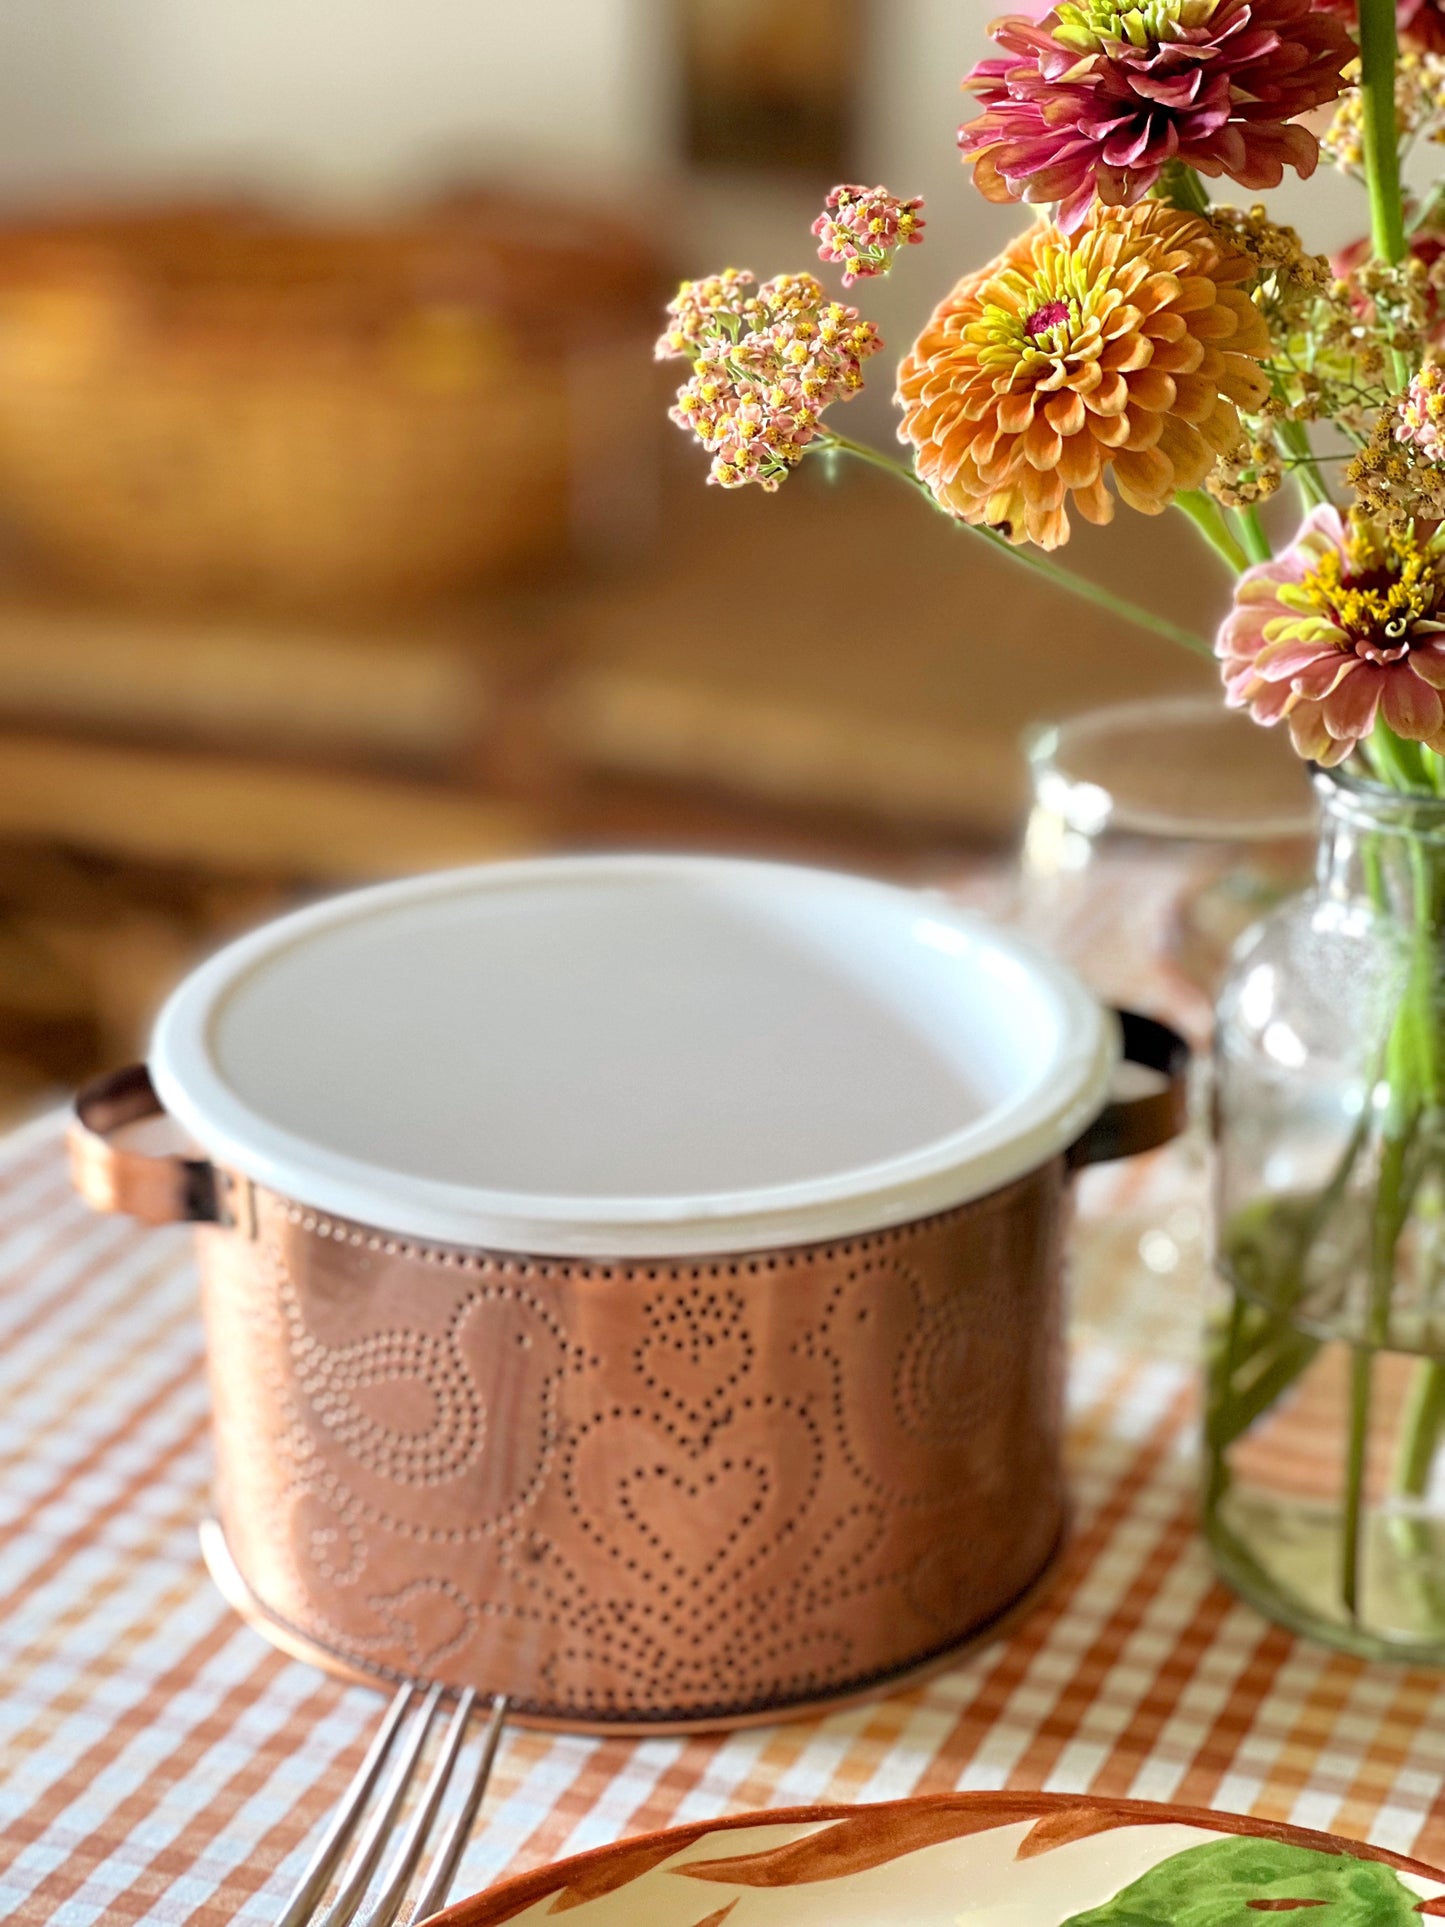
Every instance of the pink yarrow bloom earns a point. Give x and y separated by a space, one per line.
766 362
1095 98
1421 414
1426 244
1345 628
864 227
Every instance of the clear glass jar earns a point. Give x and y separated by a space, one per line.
1324 1496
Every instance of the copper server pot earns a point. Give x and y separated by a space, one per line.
632 1284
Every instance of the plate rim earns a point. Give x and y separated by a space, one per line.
509 1897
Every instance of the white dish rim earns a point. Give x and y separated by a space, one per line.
1011 1140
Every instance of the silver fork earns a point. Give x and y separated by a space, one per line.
412 1715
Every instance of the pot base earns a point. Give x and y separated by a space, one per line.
233 1588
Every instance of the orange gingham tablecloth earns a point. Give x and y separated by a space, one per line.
160 1762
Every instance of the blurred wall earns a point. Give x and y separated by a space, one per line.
339 96
344 96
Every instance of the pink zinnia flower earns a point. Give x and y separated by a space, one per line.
864 227
1346 627
1097 96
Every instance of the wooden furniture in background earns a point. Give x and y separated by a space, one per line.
221 407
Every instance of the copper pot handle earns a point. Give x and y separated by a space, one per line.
157 1189
1127 1126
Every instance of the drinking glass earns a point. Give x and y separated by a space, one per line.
1160 830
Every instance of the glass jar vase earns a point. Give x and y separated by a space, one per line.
1324 1499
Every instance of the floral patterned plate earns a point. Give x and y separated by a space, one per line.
971 1860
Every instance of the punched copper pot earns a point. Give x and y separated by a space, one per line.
637 1458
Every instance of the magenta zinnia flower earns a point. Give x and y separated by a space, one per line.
1094 98
1346 627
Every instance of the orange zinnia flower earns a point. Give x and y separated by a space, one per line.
1124 350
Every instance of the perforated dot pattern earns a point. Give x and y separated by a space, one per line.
622 1492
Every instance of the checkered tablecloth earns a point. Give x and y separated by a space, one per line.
159 1762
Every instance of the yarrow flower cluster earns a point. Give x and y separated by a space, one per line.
1420 418
1394 308
767 361
1294 292
1120 354
864 227
1398 477
1096 98
701 308
1248 475
1419 109
1346 626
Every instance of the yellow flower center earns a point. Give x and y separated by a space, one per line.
1378 591
1039 323
1090 25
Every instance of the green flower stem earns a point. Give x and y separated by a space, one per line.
1025 558
1251 532
1208 517
1362 1364
1420 1432
1266 1351
1295 437
1427 212
1222 1421
1397 762
1378 54
1424 1416
1181 187
1392 1204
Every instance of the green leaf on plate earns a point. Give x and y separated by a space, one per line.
1241 1882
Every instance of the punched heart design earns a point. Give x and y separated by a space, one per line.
432 1619
696 1351
689 1523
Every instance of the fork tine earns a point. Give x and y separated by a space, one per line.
444 1871
378 1828
385 1908
332 1845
